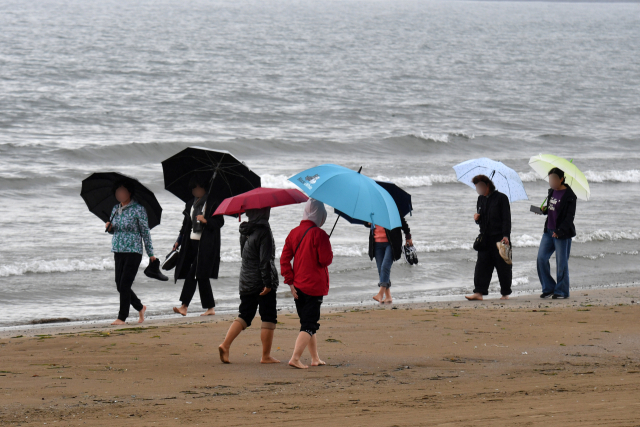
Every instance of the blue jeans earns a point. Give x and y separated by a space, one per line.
562 248
384 260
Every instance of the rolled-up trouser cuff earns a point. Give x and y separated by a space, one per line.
242 322
268 325
384 284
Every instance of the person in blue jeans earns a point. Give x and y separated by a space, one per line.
558 232
386 247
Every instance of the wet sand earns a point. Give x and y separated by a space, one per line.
524 361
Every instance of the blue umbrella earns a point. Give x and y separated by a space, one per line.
506 180
401 197
350 192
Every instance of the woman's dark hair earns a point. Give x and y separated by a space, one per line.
558 172
198 180
483 178
126 183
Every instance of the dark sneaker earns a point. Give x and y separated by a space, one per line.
546 295
559 297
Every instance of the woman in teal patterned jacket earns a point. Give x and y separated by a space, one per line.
130 227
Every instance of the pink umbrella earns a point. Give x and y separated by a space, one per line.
260 198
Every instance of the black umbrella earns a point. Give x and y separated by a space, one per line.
401 197
97 192
227 175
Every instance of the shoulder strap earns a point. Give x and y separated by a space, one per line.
305 233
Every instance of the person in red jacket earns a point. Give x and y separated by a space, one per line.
309 247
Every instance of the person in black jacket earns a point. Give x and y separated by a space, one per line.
386 247
493 215
558 231
258 283
199 239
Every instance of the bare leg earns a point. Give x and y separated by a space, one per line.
182 310
119 322
505 297
141 314
387 295
301 344
474 297
313 350
266 335
233 332
209 312
379 295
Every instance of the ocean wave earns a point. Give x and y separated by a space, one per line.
276 181
602 235
56 266
613 176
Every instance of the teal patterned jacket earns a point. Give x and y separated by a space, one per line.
130 228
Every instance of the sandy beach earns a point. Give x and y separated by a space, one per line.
524 361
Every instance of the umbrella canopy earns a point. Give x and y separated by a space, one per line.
260 198
97 192
401 197
506 180
227 175
543 163
357 195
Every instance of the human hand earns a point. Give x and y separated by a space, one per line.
265 291
409 242
107 226
201 219
476 217
293 292
175 246
152 258
554 235
505 240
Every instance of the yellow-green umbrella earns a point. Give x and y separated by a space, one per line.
543 163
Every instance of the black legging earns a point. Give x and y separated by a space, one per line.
126 269
198 276
487 261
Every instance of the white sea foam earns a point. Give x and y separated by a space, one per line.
276 181
613 176
56 266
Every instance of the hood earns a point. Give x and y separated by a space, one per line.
257 218
315 211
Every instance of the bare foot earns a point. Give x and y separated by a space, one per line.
297 364
378 298
505 297
224 354
209 312
318 362
118 322
141 314
388 301
269 360
182 310
474 297
387 296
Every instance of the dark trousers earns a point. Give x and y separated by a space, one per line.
251 303
197 277
308 308
487 261
126 269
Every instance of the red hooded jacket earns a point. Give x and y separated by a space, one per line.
309 272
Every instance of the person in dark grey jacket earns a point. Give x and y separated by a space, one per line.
493 215
258 283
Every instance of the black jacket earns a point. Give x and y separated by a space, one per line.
258 250
495 215
393 236
209 246
565 229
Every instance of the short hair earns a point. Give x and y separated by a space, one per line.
558 172
198 180
485 179
126 183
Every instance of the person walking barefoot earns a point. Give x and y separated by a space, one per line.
308 279
258 284
130 228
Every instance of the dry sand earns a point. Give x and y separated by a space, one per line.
525 361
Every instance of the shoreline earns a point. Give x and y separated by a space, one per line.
597 296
